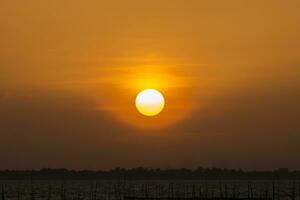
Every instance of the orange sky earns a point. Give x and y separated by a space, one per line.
69 73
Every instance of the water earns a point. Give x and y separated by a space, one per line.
117 190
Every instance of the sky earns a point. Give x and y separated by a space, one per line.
70 71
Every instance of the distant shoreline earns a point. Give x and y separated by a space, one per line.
140 173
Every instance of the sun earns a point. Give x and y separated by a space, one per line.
150 102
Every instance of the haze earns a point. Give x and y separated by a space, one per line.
228 69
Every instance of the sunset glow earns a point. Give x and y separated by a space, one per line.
162 84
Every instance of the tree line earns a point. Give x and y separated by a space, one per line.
141 173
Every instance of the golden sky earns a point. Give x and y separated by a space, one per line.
70 71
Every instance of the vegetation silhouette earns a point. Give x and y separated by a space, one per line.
141 173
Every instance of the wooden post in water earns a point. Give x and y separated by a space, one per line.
234 191
212 191
220 189
96 191
237 191
248 189
2 192
91 191
226 191
63 192
171 195
146 190
78 194
49 194
266 190
19 194
206 190
193 191
32 193
278 191
293 191
200 191
273 190
299 190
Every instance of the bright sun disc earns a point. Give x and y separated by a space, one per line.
150 102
